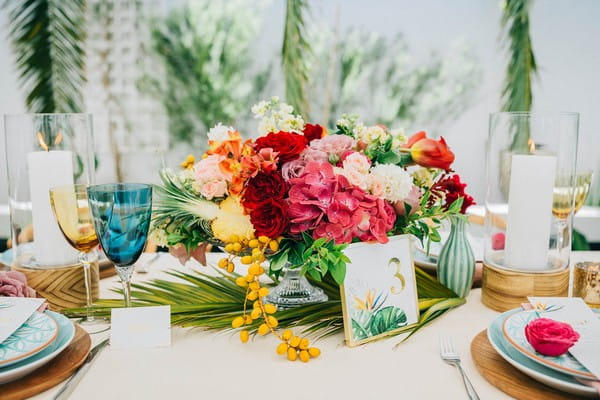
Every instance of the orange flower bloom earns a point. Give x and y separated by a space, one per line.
429 152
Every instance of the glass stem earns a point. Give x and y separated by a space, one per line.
86 259
125 275
562 227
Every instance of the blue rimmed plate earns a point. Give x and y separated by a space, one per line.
66 332
513 329
37 333
540 373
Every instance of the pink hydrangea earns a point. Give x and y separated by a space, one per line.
330 206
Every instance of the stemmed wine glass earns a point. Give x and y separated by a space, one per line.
121 214
569 194
72 212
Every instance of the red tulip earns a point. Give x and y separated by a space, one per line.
429 152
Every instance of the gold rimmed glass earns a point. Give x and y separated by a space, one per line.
72 212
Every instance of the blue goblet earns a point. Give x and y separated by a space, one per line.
121 214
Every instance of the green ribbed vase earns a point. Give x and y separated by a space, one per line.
456 263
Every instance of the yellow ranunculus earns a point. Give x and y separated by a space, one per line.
231 220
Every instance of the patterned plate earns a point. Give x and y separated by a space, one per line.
514 332
547 376
37 333
66 332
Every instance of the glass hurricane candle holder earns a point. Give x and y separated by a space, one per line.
44 151
531 193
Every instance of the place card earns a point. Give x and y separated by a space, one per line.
579 315
140 327
14 311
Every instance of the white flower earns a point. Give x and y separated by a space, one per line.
397 182
259 109
219 132
372 134
159 236
267 125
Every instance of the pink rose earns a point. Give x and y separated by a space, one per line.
214 188
377 186
334 145
413 200
14 284
208 169
293 169
550 337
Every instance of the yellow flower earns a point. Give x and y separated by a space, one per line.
231 220
189 161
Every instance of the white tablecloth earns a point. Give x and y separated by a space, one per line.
217 366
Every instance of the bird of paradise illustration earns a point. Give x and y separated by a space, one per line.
371 317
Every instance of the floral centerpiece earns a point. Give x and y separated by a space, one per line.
297 195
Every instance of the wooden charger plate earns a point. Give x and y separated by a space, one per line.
49 375
506 377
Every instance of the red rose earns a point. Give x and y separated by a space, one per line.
550 337
270 218
265 185
288 145
312 132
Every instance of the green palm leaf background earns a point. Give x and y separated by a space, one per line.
48 40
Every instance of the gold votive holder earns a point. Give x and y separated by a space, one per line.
586 282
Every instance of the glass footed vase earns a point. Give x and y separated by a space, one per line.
294 290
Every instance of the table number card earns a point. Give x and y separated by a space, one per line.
379 294
140 327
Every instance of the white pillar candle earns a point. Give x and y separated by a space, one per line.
529 221
48 169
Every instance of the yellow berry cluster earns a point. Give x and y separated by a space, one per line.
293 346
296 347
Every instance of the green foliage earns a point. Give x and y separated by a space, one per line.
294 56
425 224
204 52
517 93
48 38
203 300
579 241
362 72
315 258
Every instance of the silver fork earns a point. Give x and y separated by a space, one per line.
451 357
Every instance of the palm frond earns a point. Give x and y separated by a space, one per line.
211 302
522 67
295 52
47 38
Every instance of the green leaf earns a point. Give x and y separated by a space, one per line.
338 272
387 319
389 157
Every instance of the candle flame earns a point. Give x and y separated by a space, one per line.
531 145
58 138
42 142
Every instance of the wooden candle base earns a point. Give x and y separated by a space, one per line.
62 287
503 290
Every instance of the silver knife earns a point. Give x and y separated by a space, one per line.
73 381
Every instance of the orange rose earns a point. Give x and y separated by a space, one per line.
429 152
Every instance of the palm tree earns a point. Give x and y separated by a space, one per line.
517 94
48 41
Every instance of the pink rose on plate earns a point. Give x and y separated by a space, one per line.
14 284
550 337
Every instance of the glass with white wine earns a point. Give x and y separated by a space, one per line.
72 212
569 195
